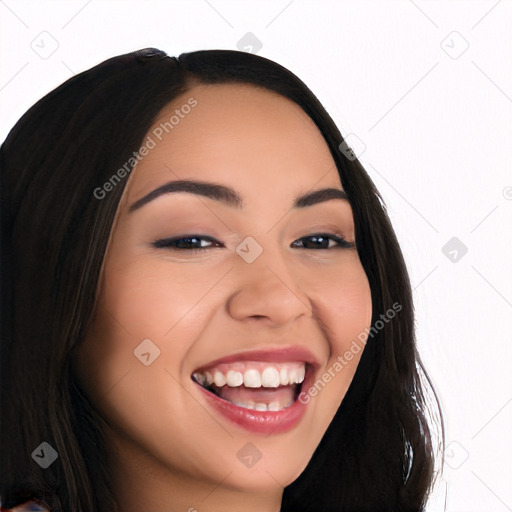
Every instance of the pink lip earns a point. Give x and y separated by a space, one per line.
261 422
272 355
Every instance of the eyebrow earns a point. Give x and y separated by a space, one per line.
229 196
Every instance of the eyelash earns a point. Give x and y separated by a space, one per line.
167 243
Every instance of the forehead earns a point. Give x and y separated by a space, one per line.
239 134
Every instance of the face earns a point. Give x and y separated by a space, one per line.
243 292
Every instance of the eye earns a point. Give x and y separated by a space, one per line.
322 241
198 243
190 243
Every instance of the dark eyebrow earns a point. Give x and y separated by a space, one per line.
229 196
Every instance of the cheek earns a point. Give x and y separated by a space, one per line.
342 297
141 300
149 298
344 308
137 303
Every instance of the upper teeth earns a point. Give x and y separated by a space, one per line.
253 374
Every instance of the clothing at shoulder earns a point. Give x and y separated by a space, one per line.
28 506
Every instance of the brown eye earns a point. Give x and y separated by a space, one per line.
189 242
321 241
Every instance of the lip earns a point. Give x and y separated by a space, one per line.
260 422
270 355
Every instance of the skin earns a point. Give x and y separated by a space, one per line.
168 450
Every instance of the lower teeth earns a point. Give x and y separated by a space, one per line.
260 406
255 406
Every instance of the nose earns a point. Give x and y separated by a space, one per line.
268 291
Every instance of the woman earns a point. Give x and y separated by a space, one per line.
205 305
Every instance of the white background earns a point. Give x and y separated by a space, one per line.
437 126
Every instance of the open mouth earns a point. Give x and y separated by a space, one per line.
255 385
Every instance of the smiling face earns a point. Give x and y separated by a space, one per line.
273 292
